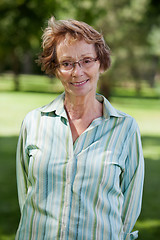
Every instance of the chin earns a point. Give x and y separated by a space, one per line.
82 92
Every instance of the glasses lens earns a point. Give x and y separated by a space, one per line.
87 62
66 66
84 63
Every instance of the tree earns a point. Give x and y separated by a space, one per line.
129 33
152 22
20 30
21 23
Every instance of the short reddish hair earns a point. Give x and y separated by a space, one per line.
57 31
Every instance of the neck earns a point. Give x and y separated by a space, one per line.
82 106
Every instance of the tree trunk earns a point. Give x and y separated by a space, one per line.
16 82
136 77
16 71
105 87
153 71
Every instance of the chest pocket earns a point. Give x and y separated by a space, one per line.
34 162
112 172
100 167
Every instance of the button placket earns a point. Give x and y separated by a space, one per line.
67 193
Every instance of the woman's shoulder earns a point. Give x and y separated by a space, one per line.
110 110
31 116
128 119
52 106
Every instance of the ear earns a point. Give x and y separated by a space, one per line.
56 73
101 70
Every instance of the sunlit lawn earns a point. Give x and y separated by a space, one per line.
15 105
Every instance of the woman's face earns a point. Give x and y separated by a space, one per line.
79 81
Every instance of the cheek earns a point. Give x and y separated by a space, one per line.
60 76
95 74
64 78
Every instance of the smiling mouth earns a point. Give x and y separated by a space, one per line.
80 83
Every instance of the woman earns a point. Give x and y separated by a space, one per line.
79 160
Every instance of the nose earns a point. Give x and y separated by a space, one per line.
77 70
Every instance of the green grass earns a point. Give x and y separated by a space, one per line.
145 111
15 105
30 83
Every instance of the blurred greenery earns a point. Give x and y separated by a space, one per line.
130 27
39 90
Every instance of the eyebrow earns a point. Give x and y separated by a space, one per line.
71 58
86 54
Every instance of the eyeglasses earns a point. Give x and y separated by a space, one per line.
83 63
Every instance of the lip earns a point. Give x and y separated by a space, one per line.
76 84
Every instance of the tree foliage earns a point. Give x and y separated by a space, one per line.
131 28
134 39
21 23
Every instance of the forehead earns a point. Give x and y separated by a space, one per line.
74 49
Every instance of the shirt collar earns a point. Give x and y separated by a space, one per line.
108 109
57 106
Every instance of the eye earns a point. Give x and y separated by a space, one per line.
87 60
66 64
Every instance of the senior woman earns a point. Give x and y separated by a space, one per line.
80 165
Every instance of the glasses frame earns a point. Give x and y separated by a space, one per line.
74 63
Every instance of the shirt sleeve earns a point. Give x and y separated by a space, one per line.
21 167
132 186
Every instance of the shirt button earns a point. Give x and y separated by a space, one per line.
64 227
68 181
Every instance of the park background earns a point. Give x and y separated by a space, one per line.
132 84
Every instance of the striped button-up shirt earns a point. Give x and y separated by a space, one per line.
91 189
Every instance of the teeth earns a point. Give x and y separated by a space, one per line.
79 83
